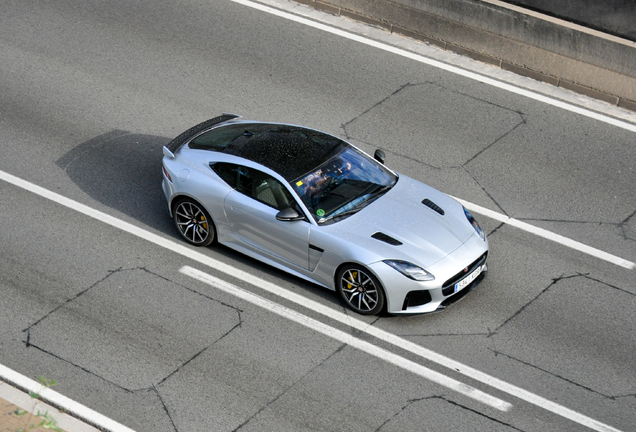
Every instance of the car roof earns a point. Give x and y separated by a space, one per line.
291 151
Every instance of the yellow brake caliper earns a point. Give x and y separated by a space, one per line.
354 275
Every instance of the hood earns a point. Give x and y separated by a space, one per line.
426 235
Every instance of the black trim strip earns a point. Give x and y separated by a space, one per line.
427 202
386 238
449 286
316 248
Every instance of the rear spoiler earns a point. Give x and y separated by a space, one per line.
174 145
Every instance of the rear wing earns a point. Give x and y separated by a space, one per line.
174 145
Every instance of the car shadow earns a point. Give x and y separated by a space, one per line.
122 170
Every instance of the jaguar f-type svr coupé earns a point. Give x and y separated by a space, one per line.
317 207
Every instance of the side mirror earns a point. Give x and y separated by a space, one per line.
289 214
379 156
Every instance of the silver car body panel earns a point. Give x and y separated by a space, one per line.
443 244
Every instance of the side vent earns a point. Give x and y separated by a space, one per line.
386 239
427 202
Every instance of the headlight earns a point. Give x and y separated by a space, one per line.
475 225
410 270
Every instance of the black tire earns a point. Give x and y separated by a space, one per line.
193 222
360 289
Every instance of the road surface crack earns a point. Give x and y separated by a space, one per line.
525 363
624 227
284 392
443 398
492 198
29 343
525 306
165 408
239 324
65 303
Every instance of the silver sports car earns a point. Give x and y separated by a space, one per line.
315 206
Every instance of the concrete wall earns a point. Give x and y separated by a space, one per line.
617 17
509 37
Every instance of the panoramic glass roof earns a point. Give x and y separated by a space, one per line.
289 150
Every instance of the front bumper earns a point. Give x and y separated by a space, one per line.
452 283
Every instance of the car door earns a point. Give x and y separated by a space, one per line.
251 210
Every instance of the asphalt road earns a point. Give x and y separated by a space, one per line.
91 91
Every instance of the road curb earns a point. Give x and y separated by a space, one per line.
16 387
13 397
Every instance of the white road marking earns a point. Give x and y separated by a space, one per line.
307 303
573 244
54 398
440 65
348 339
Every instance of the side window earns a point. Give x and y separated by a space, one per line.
270 191
246 181
228 172
255 184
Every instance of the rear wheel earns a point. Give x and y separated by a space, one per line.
360 289
193 222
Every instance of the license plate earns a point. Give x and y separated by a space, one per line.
468 279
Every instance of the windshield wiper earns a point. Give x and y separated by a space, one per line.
338 216
380 190
375 194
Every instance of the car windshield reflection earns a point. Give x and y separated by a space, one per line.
343 185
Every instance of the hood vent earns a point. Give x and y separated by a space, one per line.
386 239
427 202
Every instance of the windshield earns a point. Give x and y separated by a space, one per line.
345 183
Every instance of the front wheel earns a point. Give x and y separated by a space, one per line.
193 222
360 289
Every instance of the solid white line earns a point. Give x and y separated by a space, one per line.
348 339
305 302
440 65
54 398
557 238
